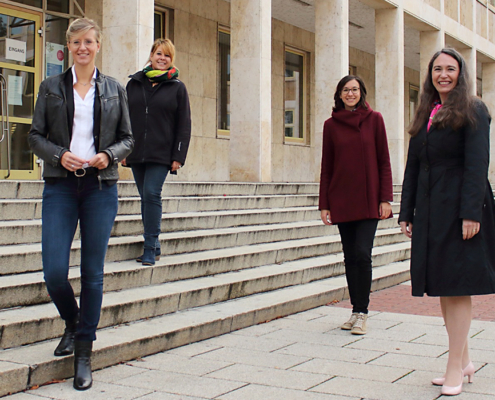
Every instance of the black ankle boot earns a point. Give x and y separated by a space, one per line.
66 345
82 365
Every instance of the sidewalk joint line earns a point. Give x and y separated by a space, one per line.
376 358
416 338
403 376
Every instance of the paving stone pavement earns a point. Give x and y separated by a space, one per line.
307 356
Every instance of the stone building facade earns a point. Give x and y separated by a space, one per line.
261 74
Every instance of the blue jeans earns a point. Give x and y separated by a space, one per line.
65 202
149 179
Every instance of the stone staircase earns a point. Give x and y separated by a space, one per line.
233 255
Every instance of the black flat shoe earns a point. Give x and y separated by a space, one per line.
83 379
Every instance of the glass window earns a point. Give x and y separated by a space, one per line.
61 6
289 123
413 101
159 25
20 84
163 23
19 35
294 95
33 3
223 95
79 10
56 54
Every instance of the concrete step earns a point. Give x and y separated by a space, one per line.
29 231
41 322
27 209
28 288
24 258
25 366
34 189
27 257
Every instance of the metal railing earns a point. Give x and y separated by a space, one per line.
5 119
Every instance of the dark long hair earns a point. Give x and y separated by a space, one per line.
339 104
457 109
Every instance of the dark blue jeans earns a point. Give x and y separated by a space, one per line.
357 241
65 202
149 179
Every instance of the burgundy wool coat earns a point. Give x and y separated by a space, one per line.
355 166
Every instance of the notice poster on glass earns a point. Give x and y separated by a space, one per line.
14 90
54 59
15 50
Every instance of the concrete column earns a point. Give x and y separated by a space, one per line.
250 91
331 62
470 57
488 76
127 36
429 43
389 77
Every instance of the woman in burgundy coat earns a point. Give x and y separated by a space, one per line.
355 187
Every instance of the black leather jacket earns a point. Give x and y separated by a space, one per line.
51 130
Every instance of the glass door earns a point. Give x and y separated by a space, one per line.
20 65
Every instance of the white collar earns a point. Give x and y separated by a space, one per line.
74 76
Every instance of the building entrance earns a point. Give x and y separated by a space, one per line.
20 67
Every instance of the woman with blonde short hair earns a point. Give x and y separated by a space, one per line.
81 130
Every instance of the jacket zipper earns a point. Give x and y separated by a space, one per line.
145 118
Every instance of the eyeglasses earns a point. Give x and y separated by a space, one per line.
87 43
354 90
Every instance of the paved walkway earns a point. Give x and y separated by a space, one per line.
307 357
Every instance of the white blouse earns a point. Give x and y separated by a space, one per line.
82 142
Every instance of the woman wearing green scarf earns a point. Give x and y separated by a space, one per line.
161 125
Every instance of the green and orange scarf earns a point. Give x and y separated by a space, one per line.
157 76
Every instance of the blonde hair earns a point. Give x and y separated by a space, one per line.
81 26
167 46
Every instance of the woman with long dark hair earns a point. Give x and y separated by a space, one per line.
447 197
355 187
81 130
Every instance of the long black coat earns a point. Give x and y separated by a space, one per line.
446 181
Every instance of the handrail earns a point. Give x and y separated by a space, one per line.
5 119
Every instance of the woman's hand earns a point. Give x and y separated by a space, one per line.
175 166
406 228
469 228
385 210
100 161
71 162
325 217
124 162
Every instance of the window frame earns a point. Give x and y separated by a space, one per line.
222 133
415 88
304 139
166 17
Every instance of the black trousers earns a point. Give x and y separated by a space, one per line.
357 242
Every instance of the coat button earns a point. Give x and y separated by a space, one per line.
427 168
424 143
